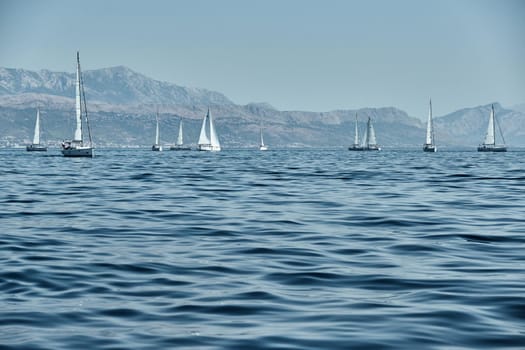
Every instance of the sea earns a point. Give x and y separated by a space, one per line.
241 249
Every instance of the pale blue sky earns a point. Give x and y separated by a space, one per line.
293 54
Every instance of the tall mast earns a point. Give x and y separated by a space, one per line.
356 134
78 130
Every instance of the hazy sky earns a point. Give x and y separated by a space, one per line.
293 54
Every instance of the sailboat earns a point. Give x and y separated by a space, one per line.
36 146
355 146
211 142
489 145
157 146
429 145
180 144
79 147
369 141
262 146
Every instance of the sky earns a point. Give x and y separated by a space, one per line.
316 55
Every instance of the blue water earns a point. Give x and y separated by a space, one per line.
310 249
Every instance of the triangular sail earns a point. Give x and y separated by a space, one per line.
430 131
203 138
371 137
490 137
157 131
36 135
179 138
78 130
262 140
214 140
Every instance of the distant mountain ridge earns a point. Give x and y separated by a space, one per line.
115 85
122 104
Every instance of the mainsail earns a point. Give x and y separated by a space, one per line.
78 130
36 136
490 138
203 137
214 140
430 131
179 138
157 131
356 135
371 137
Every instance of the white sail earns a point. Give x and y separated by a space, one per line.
356 135
371 135
365 137
179 138
36 136
203 138
214 140
490 137
262 139
78 130
157 131
429 140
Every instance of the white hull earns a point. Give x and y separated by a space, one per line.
209 148
263 148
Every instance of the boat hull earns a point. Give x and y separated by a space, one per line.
429 148
156 148
36 148
77 152
370 148
492 148
209 148
263 148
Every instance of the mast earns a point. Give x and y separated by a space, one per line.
430 129
36 135
179 138
78 107
356 134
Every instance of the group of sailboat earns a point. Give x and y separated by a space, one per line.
82 145
489 144
369 142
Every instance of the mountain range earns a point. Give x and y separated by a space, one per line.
122 106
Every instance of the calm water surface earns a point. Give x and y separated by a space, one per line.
317 249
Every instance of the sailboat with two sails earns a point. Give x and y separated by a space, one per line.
430 145
36 146
208 140
369 141
180 143
79 146
489 145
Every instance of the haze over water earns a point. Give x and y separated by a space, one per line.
291 249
